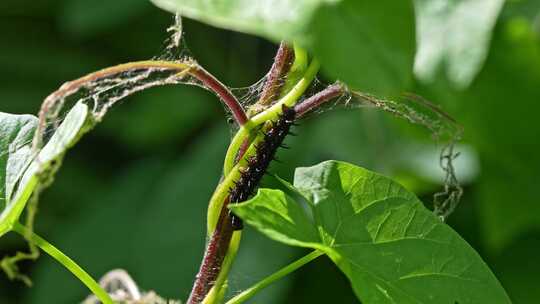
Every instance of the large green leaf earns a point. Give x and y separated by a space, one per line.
23 168
392 249
368 44
456 34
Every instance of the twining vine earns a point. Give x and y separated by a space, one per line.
262 127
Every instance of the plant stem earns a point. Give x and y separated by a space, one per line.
269 114
214 255
222 91
68 263
291 98
213 270
238 140
271 91
223 244
183 68
248 293
296 71
215 294
274 81
318 99
222 191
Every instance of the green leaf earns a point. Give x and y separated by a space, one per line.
392 249
456 35
368 44
24 169
16 132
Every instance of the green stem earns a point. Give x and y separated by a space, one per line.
68 263
271 113
248 293
237 141
222 190
291 98
231 171
300 59
297 69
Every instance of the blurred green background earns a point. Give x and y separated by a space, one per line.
133 193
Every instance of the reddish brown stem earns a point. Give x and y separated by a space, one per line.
275 80
272 86
192 68
224 94
318 99
215 253
219 242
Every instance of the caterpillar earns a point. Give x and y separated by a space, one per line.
257 164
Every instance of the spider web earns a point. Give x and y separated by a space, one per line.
444 130
104 89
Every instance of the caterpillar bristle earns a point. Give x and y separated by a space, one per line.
236 222
251 161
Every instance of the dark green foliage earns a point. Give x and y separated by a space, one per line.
133 193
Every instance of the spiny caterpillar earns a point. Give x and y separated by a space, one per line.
258 164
